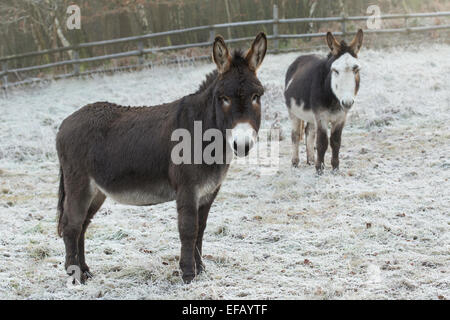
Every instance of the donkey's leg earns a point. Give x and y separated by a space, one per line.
310 142
93 208
296 136
321 144
335 142
78 198
203 212
187 208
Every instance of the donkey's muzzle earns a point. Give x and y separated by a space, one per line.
243 139
347 103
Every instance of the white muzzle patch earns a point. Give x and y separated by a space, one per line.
242 138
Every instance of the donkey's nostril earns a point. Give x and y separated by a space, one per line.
242 149
247 148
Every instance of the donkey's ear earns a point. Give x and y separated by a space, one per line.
356 43
221 55
255 55
332 43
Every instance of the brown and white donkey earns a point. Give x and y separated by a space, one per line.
322 91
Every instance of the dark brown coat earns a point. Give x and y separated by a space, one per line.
125 153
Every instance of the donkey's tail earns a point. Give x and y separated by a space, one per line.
61 196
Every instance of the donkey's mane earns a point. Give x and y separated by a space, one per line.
210 77
237 60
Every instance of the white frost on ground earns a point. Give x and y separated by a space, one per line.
379 229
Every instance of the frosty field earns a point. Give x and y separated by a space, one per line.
377 230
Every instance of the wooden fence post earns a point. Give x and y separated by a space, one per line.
76 66
212 35
275 28
5 77
343 25
141 53
406 25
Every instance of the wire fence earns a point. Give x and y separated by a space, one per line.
140 51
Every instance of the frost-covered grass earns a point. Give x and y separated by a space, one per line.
378 229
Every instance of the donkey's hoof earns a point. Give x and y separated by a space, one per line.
187 278
319 168
295 162
85 276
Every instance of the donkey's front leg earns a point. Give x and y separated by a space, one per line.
203 212
335 142
321 145
188 229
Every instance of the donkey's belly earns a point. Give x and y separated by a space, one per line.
300 112
144 196
140 198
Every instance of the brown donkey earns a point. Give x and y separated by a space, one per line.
125 153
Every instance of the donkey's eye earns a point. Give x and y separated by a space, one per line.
356 69
335 71
225 101
255 98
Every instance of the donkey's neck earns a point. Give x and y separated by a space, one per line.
208 114
198 106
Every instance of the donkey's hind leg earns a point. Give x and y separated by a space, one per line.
76 204
296 136
96 204
310 142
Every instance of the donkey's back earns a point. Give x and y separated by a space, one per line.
301 73
107 127
96 122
